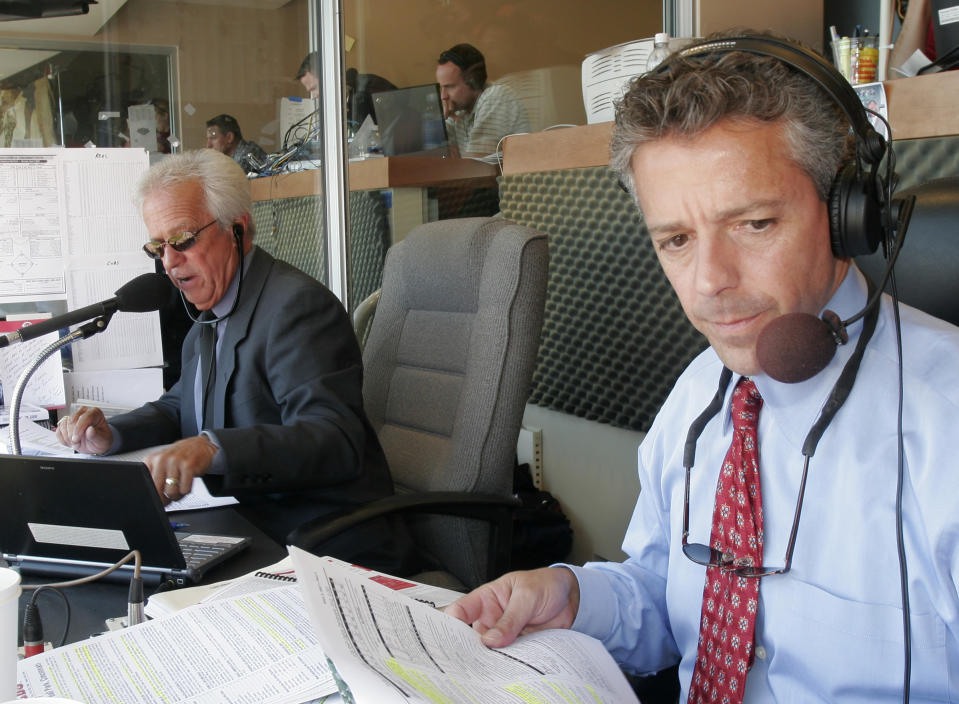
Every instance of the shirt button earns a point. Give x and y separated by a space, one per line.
760 652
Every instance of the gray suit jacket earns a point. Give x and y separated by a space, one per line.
288 403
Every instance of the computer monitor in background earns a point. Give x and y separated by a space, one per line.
410 121
945 28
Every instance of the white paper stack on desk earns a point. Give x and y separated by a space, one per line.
386 637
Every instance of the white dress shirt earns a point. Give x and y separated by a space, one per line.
830 630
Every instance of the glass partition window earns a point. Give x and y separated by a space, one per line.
89 94
153 73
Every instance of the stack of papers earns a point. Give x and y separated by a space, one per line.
388 650
373 638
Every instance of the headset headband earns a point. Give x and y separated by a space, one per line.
812 65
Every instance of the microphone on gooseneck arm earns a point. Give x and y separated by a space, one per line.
797 346
145 293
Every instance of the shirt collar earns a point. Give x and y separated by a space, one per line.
223 306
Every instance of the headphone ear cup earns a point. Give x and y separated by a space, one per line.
855 223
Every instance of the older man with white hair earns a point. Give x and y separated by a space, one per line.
269 404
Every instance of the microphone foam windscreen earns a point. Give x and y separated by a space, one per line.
145 293
795 347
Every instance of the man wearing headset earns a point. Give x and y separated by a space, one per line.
277 418
730 157
478 115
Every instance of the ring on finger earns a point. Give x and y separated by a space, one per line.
171 481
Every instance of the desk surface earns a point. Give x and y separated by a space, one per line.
92 604
380 173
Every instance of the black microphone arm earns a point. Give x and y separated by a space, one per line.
145 293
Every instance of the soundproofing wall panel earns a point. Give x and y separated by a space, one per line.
920 160
292 229
614 337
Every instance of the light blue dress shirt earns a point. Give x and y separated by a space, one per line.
830 630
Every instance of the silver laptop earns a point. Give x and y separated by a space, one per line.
73 517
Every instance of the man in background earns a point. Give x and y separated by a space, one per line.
223 134
478 115
359 88
269 405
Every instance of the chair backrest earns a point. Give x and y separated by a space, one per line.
448 364
927 270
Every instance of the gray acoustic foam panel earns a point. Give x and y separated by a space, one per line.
292 229
920 160
369 240
614 337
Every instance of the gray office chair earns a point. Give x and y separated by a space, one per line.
448 363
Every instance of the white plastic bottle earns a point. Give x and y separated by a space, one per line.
660 51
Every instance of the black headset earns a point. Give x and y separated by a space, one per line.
858 204
474 73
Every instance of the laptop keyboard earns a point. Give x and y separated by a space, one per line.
200 550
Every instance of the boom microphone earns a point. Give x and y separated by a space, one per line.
143 294
797 346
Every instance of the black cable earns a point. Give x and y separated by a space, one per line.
900 541
239 287
299 124
32 605
890 241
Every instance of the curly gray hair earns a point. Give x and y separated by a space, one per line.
687 95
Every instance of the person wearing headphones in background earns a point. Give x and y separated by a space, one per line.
223 134
731 150
275 415
478 115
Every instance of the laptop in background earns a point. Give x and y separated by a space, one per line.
75 517
410 121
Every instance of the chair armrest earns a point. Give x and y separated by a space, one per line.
495 510
363 315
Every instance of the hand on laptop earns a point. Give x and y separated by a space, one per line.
85 431
174 467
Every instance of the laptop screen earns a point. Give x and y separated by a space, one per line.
410 121
75 514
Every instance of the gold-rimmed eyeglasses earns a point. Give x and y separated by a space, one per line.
180 241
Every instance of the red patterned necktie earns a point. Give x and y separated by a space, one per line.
730 602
